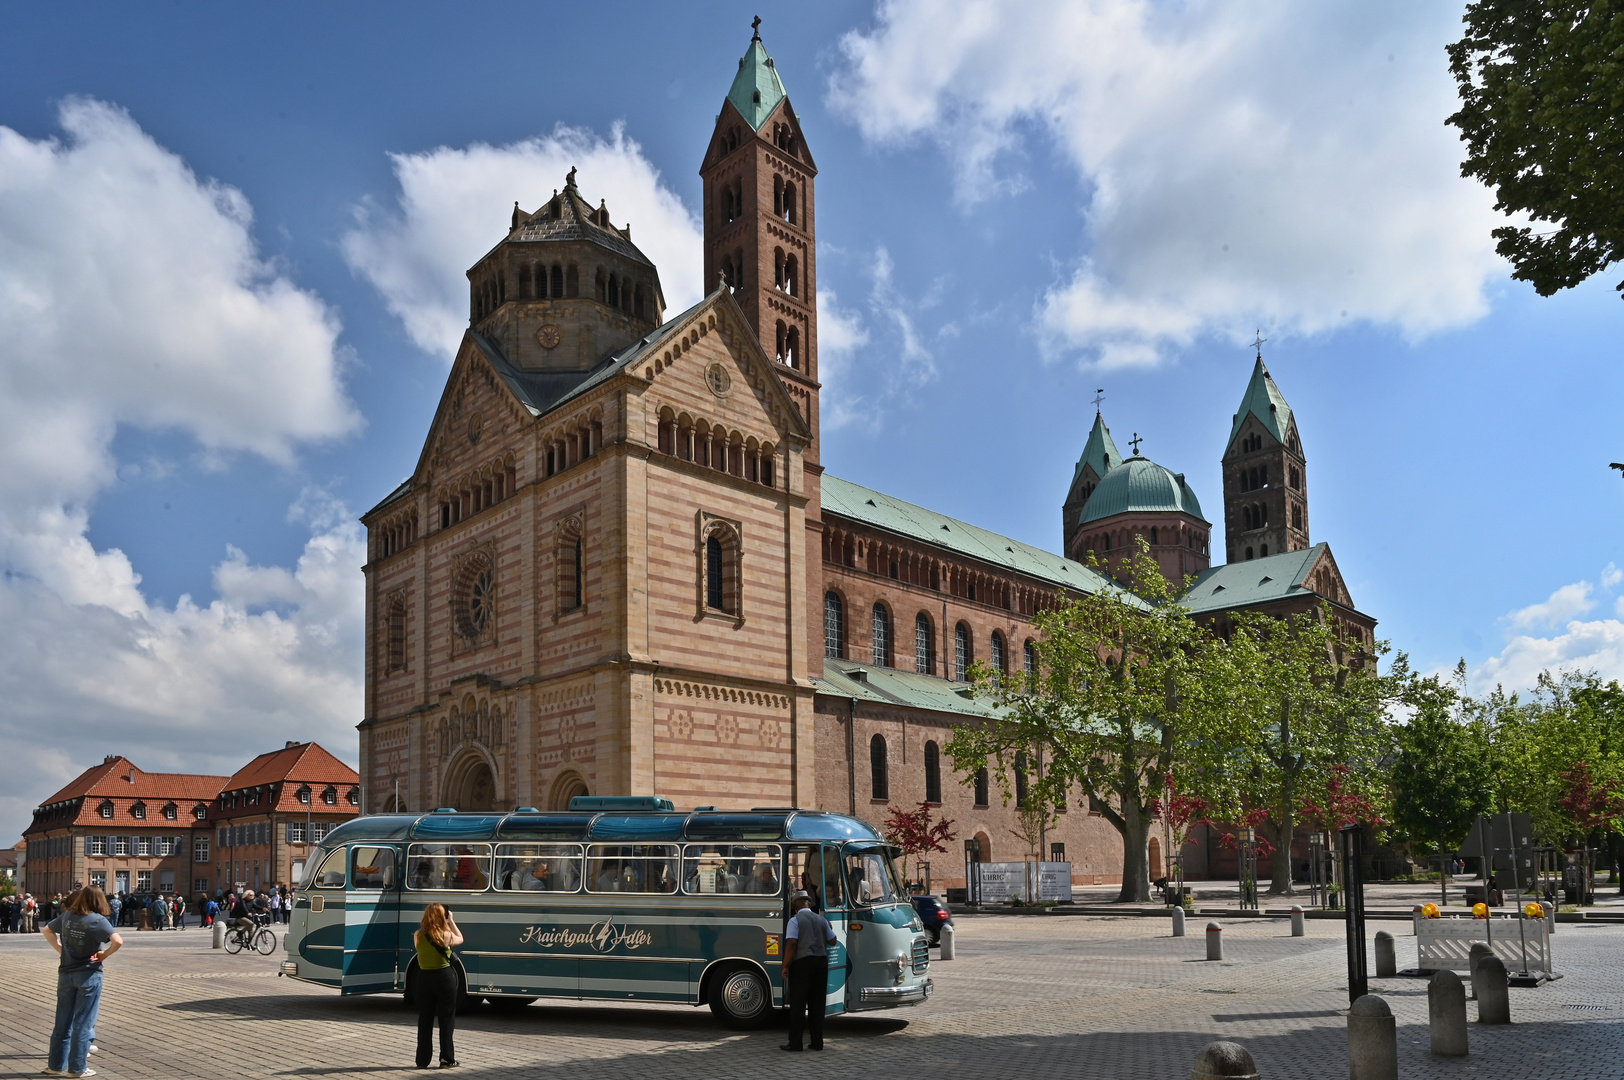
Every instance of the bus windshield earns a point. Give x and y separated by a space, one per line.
870 877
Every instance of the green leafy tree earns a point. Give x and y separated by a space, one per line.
1542 114
1127 689
1569 719
1308 701
1441 774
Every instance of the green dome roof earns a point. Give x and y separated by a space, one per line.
1140 484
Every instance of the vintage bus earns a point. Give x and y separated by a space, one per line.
619 899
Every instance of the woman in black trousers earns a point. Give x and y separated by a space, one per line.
436 984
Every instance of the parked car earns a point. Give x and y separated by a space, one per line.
934 914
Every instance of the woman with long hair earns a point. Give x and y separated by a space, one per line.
436 984
84 937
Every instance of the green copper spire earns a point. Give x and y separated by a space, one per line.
757 89
1264 401
1100 451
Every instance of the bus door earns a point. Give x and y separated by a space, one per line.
372 921
881 921
318 920
837 909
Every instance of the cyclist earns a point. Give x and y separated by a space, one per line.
242 915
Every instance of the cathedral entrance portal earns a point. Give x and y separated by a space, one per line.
566 787
472 787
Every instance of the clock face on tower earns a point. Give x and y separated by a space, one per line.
548 336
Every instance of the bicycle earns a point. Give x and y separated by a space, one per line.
260 939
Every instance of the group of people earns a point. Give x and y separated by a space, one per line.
24 913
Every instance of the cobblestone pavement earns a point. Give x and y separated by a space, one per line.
1027 998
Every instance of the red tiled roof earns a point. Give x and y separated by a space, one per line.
293 767
119 781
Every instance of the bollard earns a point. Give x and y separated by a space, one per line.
219 933
1178 922
1298 929
947 942
1224 1061
1492 990
1215 941
1446 1014
1386 956
1372 1040
1550 916
1478 953
1415 921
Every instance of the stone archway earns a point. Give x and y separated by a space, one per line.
471 785
567 786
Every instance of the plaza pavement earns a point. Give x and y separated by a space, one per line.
1027 999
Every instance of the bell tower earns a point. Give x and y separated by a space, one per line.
1265 474
760 225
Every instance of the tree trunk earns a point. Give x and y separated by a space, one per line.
1280 876
1135 830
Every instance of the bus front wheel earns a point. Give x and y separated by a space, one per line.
741 998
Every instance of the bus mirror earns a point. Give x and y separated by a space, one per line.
863 896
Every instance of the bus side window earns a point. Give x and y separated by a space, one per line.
833 894
373 868
331 874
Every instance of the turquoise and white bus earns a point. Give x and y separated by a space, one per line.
618 899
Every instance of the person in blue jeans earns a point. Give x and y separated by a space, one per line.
83 937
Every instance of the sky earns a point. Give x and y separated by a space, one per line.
232 244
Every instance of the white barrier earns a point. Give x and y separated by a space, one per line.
1446 944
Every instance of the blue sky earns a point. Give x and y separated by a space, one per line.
231 245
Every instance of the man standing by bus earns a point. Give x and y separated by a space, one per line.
806 971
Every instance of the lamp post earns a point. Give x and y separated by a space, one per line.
972 880
1248 867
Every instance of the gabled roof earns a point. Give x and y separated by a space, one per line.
893 686
118 777
881 511
1141 485
1256 581
303 763
756 89
1263 400
1100 451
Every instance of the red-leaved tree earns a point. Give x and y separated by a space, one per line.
915 833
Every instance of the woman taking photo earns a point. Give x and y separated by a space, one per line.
436 984
84 938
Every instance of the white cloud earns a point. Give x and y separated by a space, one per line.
1568 602
455 205
1240 164
1611 575
1582 646
132 293
840 334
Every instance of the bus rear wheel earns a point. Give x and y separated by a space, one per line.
741 998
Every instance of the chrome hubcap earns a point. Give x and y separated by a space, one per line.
742 994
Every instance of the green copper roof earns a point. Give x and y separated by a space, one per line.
870 507
1255 581
1263 400
1140 484
894 686
1100 451
757 89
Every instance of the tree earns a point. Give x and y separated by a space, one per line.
1542 114
915 833
1121 696
1308 702
1441 775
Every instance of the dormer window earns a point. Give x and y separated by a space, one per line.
200 812
171 812
139 811
354 797
330 796
304 795
106 808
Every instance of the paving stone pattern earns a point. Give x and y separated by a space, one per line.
1028 998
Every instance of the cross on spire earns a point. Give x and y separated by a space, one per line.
1134 442
1099 396
1258 344
755 28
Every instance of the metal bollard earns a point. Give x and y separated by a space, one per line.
1550 915
947 942
1479 952
1178 921
219 933
1446 1014
1372 1040
1415 921
1224 1061
1298 921
1386 956
1492 990
1215 941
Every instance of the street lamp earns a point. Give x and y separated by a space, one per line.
1248 867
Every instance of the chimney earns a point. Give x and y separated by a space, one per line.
290 744
131 777
109 759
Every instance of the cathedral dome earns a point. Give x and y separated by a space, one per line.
1141 485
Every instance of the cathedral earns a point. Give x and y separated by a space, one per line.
618 566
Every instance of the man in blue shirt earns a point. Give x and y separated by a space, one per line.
806 971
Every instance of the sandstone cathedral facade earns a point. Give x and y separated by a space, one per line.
619 568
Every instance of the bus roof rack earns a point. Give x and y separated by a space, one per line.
621 802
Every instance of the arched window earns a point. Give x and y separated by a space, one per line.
1031 660
997 647
882 636
1153 541
791 286
782 355
1020 778
715 596
397 634
961 651
981 786
792 347
933 773
1264 552
1248 554
572 281
789 203
602 285
834 626
580 573
879 773
1296 517
923 638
